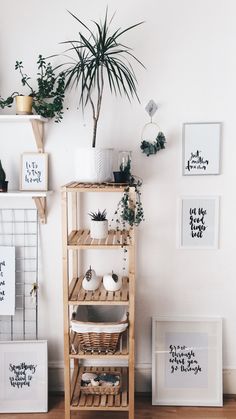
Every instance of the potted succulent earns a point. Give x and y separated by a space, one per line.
3 181
100 60
98 224
47 99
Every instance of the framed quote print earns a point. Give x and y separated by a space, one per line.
198 222
187 361
7 280
34 172
23 376
201 148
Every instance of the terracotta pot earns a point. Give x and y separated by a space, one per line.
24 105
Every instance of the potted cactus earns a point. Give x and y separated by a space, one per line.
3 181
99 224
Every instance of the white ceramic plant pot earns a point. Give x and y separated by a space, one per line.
98 229
110 284
94 165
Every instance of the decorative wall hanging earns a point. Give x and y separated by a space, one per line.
23 376
7 280
198 222
201 148
155 132
34 172
187 361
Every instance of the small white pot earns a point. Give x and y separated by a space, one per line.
110 284
94 165
99 229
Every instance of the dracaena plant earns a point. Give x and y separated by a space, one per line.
100 58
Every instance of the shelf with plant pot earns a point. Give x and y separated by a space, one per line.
39 197
76 297
37 123
82 239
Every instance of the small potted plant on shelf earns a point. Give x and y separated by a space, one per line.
3 181
124 174
47 99
98 224
100 59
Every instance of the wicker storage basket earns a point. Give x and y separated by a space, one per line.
101 337
110 390
98 336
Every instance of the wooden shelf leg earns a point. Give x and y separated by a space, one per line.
41 206
37 127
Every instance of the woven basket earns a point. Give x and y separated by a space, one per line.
110 390
100 337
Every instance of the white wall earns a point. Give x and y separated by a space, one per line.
188 48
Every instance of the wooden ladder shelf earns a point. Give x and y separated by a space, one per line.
76 239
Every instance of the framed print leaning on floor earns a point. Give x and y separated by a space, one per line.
201 148
187 361
23 376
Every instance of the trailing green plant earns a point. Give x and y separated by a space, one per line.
7 103
152 148
2 173
100 58
48 96
129 212
98 216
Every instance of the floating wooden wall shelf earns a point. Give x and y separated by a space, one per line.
38 197
36 122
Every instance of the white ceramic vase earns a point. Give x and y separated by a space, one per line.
94 165
98 229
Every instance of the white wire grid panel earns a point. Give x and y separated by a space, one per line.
19 228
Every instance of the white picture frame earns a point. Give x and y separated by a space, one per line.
34 172
201 148
187 361
198 222
7 280
23 376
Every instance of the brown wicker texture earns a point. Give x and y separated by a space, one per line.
112 390
99 342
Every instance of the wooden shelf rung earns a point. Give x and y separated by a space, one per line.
103 400
78 294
